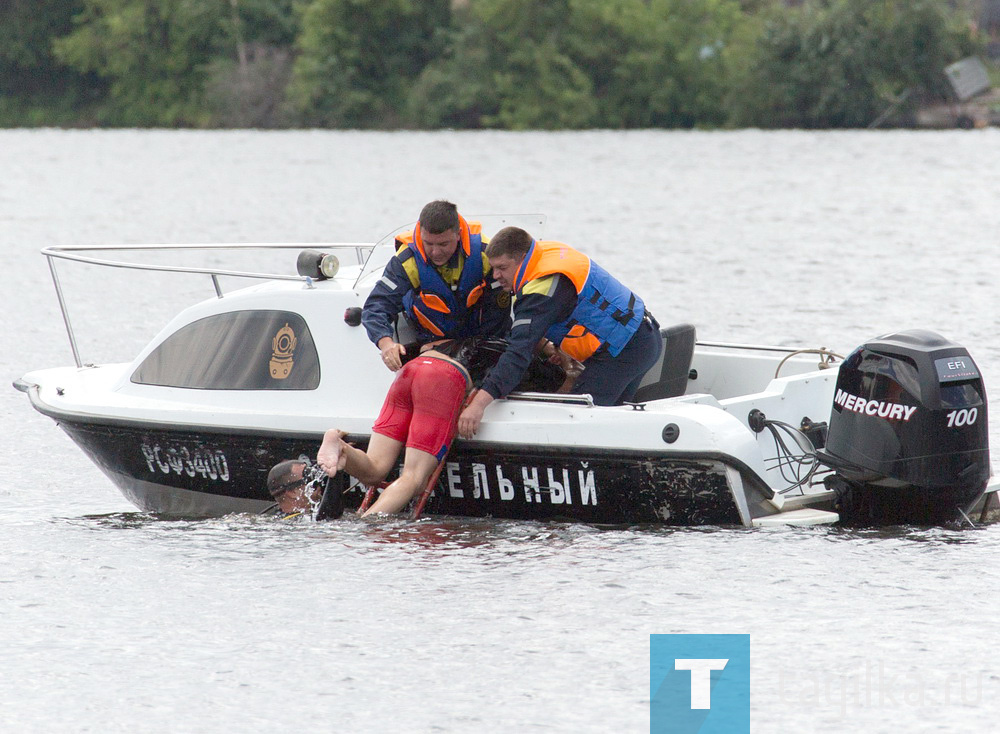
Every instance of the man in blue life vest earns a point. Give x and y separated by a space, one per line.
562 295
441 279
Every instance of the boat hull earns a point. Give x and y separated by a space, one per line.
202 473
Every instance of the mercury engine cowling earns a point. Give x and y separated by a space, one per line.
908 436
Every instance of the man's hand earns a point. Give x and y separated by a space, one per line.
472 416
391 353
570 365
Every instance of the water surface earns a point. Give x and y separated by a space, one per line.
116 621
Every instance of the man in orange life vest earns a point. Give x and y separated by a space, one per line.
441 279
564 296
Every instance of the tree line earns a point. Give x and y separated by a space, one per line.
473 64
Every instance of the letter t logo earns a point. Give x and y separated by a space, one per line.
701 678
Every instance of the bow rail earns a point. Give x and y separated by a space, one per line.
75 253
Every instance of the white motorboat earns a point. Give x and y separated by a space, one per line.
720 434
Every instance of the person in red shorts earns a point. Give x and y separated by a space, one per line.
420 413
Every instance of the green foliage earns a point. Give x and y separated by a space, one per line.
26 29
265 22
657 64
245 83
512 64
152 53
357 59
536 81
840 63
581 63
34 87
455 90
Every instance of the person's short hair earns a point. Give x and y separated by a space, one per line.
281 477
439 216
513 242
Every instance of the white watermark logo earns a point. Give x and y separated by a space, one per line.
701 678
872 685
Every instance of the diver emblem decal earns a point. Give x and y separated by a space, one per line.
282 352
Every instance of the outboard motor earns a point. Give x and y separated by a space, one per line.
908 435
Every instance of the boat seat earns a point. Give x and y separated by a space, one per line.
668 378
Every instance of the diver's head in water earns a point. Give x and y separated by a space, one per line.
287 482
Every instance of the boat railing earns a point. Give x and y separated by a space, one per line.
561 398
827 358
75 253
749 347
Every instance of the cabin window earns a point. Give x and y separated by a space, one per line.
240 350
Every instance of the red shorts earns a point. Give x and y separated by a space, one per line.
422 406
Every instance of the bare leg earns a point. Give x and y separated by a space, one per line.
417 469
370 467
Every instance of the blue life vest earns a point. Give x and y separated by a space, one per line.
433 307
606 313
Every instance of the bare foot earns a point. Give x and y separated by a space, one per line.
331 456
